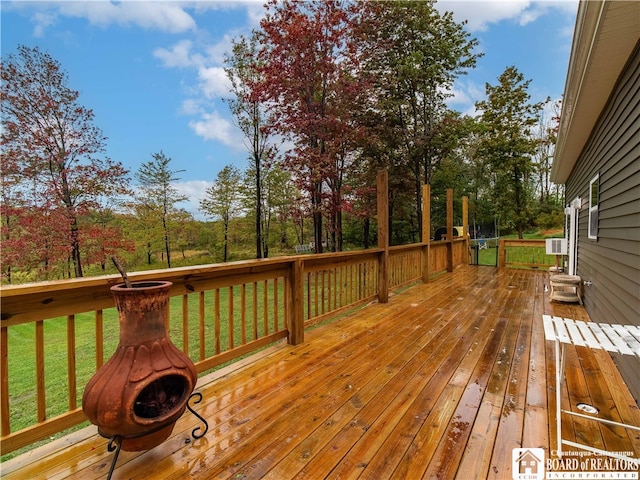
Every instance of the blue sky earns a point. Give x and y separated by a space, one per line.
152 71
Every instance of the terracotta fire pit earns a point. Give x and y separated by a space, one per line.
142 390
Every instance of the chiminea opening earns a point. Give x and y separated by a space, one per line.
161 397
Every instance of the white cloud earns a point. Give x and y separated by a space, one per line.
480 14
255 13
217 51
190 106
194 190
42 21
177 56
212 126
465 94
164 16
214 82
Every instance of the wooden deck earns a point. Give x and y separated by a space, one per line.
441 382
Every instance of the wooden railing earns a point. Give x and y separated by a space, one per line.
406 265
524 254
55 335
338 281
218 313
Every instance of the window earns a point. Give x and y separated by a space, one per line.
594 198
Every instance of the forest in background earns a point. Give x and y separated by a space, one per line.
326 94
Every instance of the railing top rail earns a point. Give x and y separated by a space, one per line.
337 257
221 269
445 241
168 273
411 246
524 241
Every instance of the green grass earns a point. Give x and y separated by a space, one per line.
488 256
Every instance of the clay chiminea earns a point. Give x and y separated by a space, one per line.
142 390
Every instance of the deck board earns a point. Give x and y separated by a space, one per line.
441 382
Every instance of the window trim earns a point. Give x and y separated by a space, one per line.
593 209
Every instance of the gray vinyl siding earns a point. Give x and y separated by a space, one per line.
612 262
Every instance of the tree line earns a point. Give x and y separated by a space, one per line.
326 94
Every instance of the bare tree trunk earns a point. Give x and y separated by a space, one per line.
166 240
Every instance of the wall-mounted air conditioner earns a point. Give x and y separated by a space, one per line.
556 246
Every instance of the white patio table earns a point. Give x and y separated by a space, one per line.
622 339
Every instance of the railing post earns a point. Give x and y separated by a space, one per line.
383 235
295 302
449 230
426 233
502 253
465 228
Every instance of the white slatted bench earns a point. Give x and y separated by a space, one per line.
622 339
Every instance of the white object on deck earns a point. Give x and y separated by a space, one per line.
622 339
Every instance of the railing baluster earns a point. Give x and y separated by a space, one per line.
341 285
275 304
71 361
216 326
243 312
255 310
265 307
99 339
185 324
334 287
40 384
315 288
308 278
323 291
329 290
5 417
231 320
354 285
201 324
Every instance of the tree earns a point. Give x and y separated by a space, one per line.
413 54
248 111
221 201
507 144
52 141
547 134
157 197
278 197
309 81
104 238
188 231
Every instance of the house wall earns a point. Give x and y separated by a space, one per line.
612 262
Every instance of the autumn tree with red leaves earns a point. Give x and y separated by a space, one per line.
51 149
309 80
